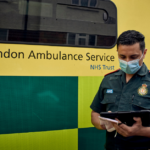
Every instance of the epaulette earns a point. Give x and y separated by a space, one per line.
112 72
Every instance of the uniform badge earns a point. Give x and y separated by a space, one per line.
109 91
143 90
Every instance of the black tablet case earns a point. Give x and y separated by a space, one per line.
127 117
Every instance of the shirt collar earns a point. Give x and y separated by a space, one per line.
143 70
119 72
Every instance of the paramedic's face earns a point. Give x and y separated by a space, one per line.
131 52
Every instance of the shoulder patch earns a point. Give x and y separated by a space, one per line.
113 72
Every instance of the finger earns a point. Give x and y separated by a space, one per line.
120 130
103 127
120 124
138 120
115 125
124 130
118 120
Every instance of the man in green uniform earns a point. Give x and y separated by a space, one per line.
127 89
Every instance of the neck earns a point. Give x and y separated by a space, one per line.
128 77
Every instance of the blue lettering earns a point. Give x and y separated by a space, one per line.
108 67
95 67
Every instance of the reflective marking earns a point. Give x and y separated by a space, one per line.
109 91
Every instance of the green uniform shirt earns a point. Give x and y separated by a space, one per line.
115 94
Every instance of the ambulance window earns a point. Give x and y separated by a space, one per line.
76 2
92 40
82 41
84 2
84 23
82 34
93 3
3 35
71 39
87 3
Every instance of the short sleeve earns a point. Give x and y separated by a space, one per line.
96 104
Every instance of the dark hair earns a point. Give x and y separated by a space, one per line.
131 37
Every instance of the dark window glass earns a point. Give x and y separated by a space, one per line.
3 34
82 34
23 36
53 37
71 38
84 2
105 40
59 23
82 41
75 2
93 3
36 36
92 40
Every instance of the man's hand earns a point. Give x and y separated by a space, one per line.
127 131
95 121
103 127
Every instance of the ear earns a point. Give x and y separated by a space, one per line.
145 51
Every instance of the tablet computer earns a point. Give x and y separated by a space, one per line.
127 117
